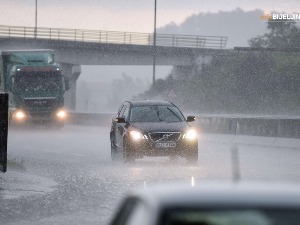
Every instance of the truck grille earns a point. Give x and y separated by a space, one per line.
40 102
165 136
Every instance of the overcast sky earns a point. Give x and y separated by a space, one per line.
123 15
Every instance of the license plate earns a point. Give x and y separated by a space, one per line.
165 144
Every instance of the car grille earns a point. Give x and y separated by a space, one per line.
165 136
40 102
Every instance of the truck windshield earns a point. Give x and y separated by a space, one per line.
37 81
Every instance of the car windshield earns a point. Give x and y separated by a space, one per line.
160 113
232 217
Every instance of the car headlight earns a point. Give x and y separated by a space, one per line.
61 114
135 135
190 135
20 115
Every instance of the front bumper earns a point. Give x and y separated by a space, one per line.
35 117
147 147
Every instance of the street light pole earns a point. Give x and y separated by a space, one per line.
35 28
154 42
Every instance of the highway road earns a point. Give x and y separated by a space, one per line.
67 176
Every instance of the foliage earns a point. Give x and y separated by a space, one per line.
260 82
284 34
123 89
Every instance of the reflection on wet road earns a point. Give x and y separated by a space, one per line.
71 179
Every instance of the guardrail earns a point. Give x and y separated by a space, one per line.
253 126
113 37
288 127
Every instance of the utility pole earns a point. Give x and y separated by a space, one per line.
35 28
154 43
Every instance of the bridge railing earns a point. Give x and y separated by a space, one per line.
114 37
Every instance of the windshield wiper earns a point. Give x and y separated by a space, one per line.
174 114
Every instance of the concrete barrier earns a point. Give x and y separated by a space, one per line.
253 126
91 119
286 127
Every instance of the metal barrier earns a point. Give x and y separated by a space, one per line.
254 126
114 37
3 131
92 119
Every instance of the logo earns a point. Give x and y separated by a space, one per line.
39 102
280 17
165 137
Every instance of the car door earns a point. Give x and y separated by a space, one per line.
121 127
114 127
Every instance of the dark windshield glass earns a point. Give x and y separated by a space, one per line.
156 114
224 217
45 81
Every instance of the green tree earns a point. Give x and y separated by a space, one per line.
283 34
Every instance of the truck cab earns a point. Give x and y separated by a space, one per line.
36 86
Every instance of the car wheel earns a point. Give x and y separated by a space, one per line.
192 158
127 154
113 151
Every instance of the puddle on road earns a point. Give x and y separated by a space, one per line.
16 184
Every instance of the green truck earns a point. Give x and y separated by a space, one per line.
35 85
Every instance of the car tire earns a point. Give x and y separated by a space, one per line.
113 151
192 158
127 154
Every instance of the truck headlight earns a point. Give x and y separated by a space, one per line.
135 135
190 135
61 114
20 115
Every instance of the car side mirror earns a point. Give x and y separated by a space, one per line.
190 118
120 120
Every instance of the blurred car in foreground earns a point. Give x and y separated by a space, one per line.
211 204
152 128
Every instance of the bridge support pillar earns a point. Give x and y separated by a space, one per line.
72 72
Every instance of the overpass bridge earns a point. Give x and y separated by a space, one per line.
75 47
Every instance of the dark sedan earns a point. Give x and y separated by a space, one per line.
152 128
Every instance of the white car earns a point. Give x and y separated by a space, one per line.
212 204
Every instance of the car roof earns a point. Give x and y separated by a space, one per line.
221 195
150 102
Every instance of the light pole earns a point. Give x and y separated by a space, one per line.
35 27
154 42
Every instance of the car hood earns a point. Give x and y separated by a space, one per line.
160 127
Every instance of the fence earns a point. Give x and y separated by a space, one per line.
113 37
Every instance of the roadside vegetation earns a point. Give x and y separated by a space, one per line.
253 82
